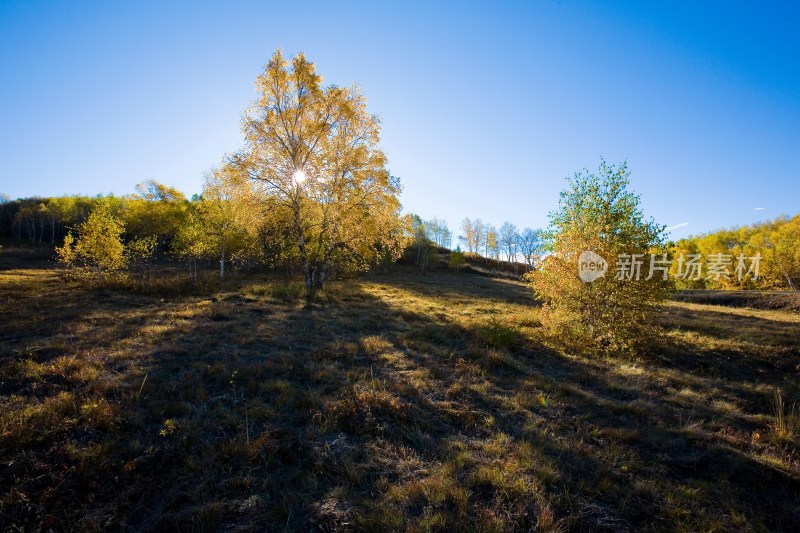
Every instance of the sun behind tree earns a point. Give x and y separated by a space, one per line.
597 213
315 151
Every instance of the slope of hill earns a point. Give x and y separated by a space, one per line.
405 401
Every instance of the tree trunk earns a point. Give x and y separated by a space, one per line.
788 280
309 273
222 264
310 281
301 244
193 270
320 281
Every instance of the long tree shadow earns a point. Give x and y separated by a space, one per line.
449 285
373 408
743 325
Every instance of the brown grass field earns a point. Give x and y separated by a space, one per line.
400 402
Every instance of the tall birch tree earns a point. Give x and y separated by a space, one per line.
315 151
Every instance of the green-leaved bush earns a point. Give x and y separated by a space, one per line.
98 248
597 213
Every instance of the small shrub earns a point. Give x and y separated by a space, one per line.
98 247
221 311
457 260
25 420
786 427
288 291
499 335
98 414
139 255
169 428
368 410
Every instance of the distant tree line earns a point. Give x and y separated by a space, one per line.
507 246
199 229
507 243
777 242
230 224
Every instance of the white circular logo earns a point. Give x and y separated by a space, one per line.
591 266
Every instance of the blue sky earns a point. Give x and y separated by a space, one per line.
486 107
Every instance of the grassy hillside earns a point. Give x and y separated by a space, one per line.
405 401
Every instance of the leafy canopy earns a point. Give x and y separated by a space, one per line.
598 213
99 244
314 150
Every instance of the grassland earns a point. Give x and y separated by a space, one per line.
405 401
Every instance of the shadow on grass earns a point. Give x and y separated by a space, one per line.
736 324
373 408
450 285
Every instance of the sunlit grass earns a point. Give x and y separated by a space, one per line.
400 402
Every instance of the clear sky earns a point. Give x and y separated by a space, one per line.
486 107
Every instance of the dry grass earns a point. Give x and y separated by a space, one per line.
786 428
408 401
782 300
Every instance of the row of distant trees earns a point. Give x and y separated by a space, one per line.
155 209
507 242
230 225
478 239
233 222
227 224
776 242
